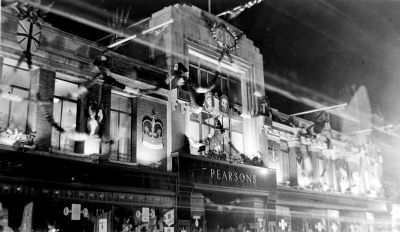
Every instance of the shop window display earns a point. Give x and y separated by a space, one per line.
56 216
227 213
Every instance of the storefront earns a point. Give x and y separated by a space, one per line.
44 192
219 196
304 210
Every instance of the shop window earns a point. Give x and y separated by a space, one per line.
227 212
20 214
65 114
121 128
14 115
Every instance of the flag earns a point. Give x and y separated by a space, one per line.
169 218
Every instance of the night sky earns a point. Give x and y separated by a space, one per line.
321 50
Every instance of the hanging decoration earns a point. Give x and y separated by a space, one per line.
226 39
94 120
224 104
31 16
102 68
208 102
152 132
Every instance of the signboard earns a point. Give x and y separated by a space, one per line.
145 215
103 225
76 212
204 171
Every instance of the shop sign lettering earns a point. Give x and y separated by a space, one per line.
233 176
198 170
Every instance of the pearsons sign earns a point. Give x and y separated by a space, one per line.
218 173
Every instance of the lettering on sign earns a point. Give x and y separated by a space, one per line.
233 176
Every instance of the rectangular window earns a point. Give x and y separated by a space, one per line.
228 83
204 124
65 114
284 163
121 128
14 115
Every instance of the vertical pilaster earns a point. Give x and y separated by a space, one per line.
105 128
294 149
271 214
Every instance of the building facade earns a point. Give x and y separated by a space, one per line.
177 159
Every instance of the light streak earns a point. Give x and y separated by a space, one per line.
321 109
143 33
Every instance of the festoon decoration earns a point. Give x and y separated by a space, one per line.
226 38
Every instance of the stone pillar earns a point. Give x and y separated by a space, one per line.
263 144
294 149
271 214
314 152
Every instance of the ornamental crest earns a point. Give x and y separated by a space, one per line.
226 38
152 131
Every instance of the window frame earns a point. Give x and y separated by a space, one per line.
130 157
63 99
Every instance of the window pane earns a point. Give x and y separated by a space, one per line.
68 123
125 104
224 86
203 80
194 134
19 111
121 103
236 125
63 88
124 137
207 119
205 130
235 92
114 133
218 86
237 141
225 122
55 135
193 72
4 111
210 78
